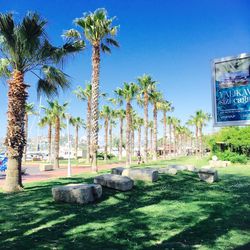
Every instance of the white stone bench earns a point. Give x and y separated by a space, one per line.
163 170
77 193
208 174
45 167
141 174
114 181
117 170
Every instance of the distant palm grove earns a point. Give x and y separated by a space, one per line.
25 49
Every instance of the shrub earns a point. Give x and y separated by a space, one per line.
232 156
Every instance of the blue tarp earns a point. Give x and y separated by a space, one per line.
3 162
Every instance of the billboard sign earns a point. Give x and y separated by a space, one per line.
231 91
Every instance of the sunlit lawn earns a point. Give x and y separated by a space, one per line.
176 212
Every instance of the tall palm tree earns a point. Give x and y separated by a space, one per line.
112 124
121 114
100 32
169 121
85 95
146 85
199 120
57 113
151 127
76 122
175 124
128 93
165 107
25 48
29 110
47 120
155 99
139 123
105 114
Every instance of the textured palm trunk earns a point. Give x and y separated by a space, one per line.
88 130
132 143
121 139
15 138
76 141
164 135
95 104
110 137
139 139
155 132
146 127
26 122
57 143
50 141
170 138
151 140
106 124
128 134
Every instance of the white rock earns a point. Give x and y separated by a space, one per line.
45 167
117 170
141 174
77 193
208 174
115 181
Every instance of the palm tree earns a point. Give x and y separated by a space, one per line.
155 98
121 114
99 31
47 120
151 127
199 120
85 95
77 123
29 110
25 48
112 124
128 93
57 113
105 114
175 124
146 85
169 121
139 123
165 107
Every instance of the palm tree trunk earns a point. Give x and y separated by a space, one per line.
106 124
155 132
175 141
110 138
164 134
57 143
121 139
50 141
170 138
146 127
26 117
201 142
15 139
128 135
151 140
139 139
132 142
76 141
88 129
95 104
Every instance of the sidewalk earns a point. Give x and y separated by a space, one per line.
35 175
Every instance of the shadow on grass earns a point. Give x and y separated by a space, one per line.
176 212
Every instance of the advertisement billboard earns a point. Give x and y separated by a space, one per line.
231 91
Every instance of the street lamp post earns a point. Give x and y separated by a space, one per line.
69 146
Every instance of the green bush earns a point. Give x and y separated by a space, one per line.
232 156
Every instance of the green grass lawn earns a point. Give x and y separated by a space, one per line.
176 212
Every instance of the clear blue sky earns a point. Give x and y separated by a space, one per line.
174 41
